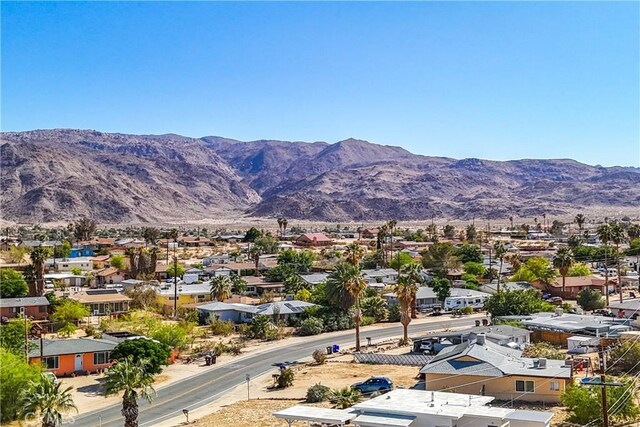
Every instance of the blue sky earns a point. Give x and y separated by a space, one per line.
491 80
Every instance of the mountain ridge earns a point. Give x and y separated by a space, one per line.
59 174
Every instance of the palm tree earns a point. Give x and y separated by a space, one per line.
618 237
150 235
49 399
563 262
284 226
500 252
605 236
405 291
354 253
133 264
221 288
413 271
580 219
344 398
511 221
132 377
515 260
280 226
345 286
238 284
39 254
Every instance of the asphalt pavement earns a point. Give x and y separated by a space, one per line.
200 390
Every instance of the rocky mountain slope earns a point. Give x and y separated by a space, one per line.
50 175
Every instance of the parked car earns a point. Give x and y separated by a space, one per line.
555 300
51 375
436 312
374 384
603 312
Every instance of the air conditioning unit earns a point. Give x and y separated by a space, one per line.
542 363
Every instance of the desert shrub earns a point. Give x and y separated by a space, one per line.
367 320
221 327
344 398
317 393
286 378
235 348
90 330
542 349
273 333
393 313
311 326
319 356
220 348
467 310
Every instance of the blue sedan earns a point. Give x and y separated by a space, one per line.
374 384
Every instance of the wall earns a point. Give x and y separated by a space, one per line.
502 388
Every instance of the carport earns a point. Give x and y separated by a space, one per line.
321 416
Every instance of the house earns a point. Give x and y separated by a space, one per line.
380 275
216 259
504 335
566 324
102 302
314 279
627 309
67 264
419 408
187 294
313 240
161 272
32 307
68 279
245 313
109 275
369 233
100 262
258 286
80 253
497 371
65 357
573 285
194 242
492 288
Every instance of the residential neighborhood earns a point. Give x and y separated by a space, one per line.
521 319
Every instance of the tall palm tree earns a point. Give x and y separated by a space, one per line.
515 260
49 399
563 262
284 226
413 271
39 255
133 263
605 235
132 377
280 226
345 286
618 237
405 291
221 288
580 219
511 221
500 252
354 253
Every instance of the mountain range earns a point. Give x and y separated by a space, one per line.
60 174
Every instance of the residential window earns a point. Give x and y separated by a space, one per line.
42 309
102 357
525 386
50 362
555 386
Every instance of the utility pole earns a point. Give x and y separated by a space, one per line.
603 368
175 279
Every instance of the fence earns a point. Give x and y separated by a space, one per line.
392 359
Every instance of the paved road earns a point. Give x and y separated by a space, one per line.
202 389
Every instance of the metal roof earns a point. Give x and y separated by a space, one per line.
57 347
385 420
23 302
312 413
526 415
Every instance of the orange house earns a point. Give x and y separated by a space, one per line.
70 357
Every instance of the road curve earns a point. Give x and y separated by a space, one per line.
202 389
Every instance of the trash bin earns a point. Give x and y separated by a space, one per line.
214 358
336 348
329 350
207 359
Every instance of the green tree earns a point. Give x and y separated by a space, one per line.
220 288
63 250
590 299
84 228
252 234
300 262
76 271
440 258
618 237
626 357
563 262
405 291
175 269
155 353
49 399
17 253
401 259
517 302
15 374
605 235
262 245
132 376
442 288
471 233
238 284
574 241
500 251
303 295
579 270
12 336
174 336
294 284
469 253
38 256
12 284
354 253
449 231
117 261
584 403
67 314
345 286
151 235
474 268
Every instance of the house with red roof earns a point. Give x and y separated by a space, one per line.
313 240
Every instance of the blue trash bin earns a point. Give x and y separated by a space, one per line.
336 348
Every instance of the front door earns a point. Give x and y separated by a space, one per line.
78 366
